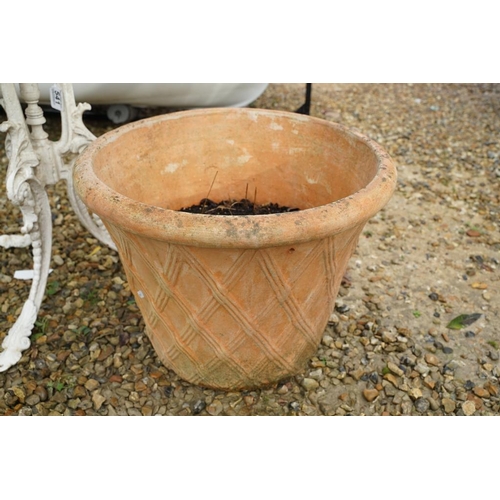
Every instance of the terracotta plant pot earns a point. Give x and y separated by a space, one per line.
233 302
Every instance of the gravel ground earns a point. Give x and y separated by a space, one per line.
431 255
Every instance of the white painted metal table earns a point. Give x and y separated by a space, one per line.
34 163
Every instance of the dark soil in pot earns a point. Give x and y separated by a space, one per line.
235 207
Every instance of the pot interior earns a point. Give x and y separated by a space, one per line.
284 158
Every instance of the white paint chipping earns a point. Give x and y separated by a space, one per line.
275 126
242 159
254 116
311 181
301 118
172 167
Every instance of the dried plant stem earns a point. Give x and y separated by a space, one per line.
209 191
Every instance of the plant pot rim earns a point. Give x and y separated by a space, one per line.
216 231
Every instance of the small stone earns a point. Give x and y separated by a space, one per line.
478 402
140 386
370 394
309 384
480 392
146 411
117 361
19 393
493 355
327 340
58 260
317 363
469 334
91 384
428 382
479 286
41 392
59 397
215 408
67 307
431 359
469 385
434 404
357 374
342 308
199 406
69 336
283 389
415 393
5 279
390 390
41 340
422 369
395 369
98 400
308 409
73 403
473 233
10 398
449 405
389 337
316 374
30 386
392 379
469 408
433 332
344 396
492 389
105 353
422 405
79 391
334 319
33 400
486 295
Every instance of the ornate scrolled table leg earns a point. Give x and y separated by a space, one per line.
35 162
74 139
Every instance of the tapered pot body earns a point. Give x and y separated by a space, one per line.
233 302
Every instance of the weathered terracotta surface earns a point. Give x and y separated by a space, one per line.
235 302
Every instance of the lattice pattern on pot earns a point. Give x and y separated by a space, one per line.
233 318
